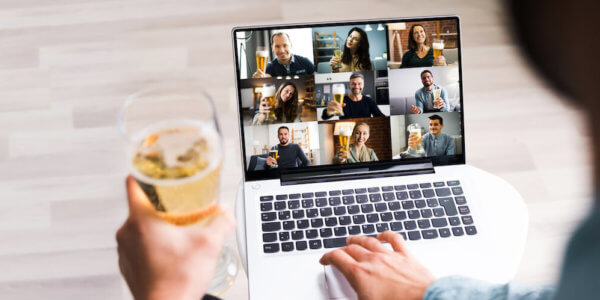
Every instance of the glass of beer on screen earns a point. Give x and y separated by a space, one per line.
174 151
274 153
268 92
437 93
414 130
338 54
339 91
344 138
438 47
262 57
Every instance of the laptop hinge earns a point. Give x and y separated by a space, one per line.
303 177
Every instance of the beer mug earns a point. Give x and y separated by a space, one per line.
437 93
274 153
438 47
175 152
339 91
338 54
344 138
268 92
415 130
262 58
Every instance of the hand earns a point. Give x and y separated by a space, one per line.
163 261
414 141
334 62
440 103
334 107
375 272
271 161
439 61
415 109
342 156
264 107
260 74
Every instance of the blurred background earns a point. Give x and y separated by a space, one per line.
66 67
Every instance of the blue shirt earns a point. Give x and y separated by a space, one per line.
365 108
424 99
298 65
437 146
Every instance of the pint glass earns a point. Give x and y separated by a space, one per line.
339 91
268 92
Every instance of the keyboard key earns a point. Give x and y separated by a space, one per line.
339 210
271 226
335 193
372 218
457 231
403 234
266 206
428 193
358 219
396 226
399 187
401 195
386 216
414 214
339 231
344 220
266 198
467 220
432 202
321 194
373 189
269 237
449 207
295 196
457 190
312 212
271 248
394 205
353 230
439 222
335 201
426 213
302 224
298 214
311 233
414 235
301 245
423 224
420 203
326 211
460 200
381 227
471 230
409 204
334 242
375 197
284 215
454 221
380 207
425 185
362 199
368 228
330 222
325 232
281 197
412 186
294 204
288 225
438 212
347 200
442 192
308 195
399 215
316 223
270 216
315 244
464 210
297 235
308 203
415 194
429 234
453 182
410 225
366 208
348 192
353 209
439 184
360 191
387 188
444 232
284 236
388 197
280 205
321 202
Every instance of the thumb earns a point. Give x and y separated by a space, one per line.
139 204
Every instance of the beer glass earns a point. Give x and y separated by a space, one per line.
344 138
436 94
274 153
175 152
438 47
415 130
268 92
262 57
338 54
339 91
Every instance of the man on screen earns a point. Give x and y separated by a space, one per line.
289 154
435 143
285 63
431 97
355 104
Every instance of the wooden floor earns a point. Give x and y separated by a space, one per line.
66 66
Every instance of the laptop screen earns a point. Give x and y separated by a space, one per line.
349 94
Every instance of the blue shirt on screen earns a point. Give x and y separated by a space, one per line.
298 65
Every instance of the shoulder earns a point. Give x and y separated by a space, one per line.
302 59
409 53
430 52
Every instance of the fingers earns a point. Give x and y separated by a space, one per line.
394 239
368 243
139 204
340 259
213 234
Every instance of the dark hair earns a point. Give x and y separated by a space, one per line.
283 127
364 59
357 75
426 71
436 117
412 44
288 108
280 34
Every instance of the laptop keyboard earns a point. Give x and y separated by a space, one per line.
324 219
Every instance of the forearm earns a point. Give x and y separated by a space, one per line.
459 287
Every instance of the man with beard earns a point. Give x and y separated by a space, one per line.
286 63
289 153
426 98
355 105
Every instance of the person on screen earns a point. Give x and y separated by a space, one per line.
419 54
431 97
289 154
355 104
285 63
358 151
435 143
355 56
286 107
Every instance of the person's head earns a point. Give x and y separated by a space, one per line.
287 101
436 123
416 36
357 43
361 133
281 46
283 134
426 78
357 83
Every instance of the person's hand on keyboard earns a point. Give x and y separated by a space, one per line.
375 272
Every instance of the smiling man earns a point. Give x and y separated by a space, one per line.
434 142
290 155
355 105
431 97
285 62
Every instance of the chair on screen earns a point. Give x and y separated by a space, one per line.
324 67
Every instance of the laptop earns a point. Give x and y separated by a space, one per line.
352 128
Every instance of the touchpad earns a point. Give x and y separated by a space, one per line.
337 285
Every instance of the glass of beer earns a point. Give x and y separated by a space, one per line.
339 91
262 57
344 138
274 153
174 151
338 54
268 92
438 47
415 130
437 93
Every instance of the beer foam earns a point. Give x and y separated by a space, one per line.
262 53
339 89
438 46
268 91
346 132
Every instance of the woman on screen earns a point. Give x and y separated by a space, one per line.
419 54
357 151
286 106
355 56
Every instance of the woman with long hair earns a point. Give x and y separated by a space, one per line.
419 53
286 107
355 56
358 150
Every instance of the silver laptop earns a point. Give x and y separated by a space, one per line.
352 128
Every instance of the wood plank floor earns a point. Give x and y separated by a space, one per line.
66 66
